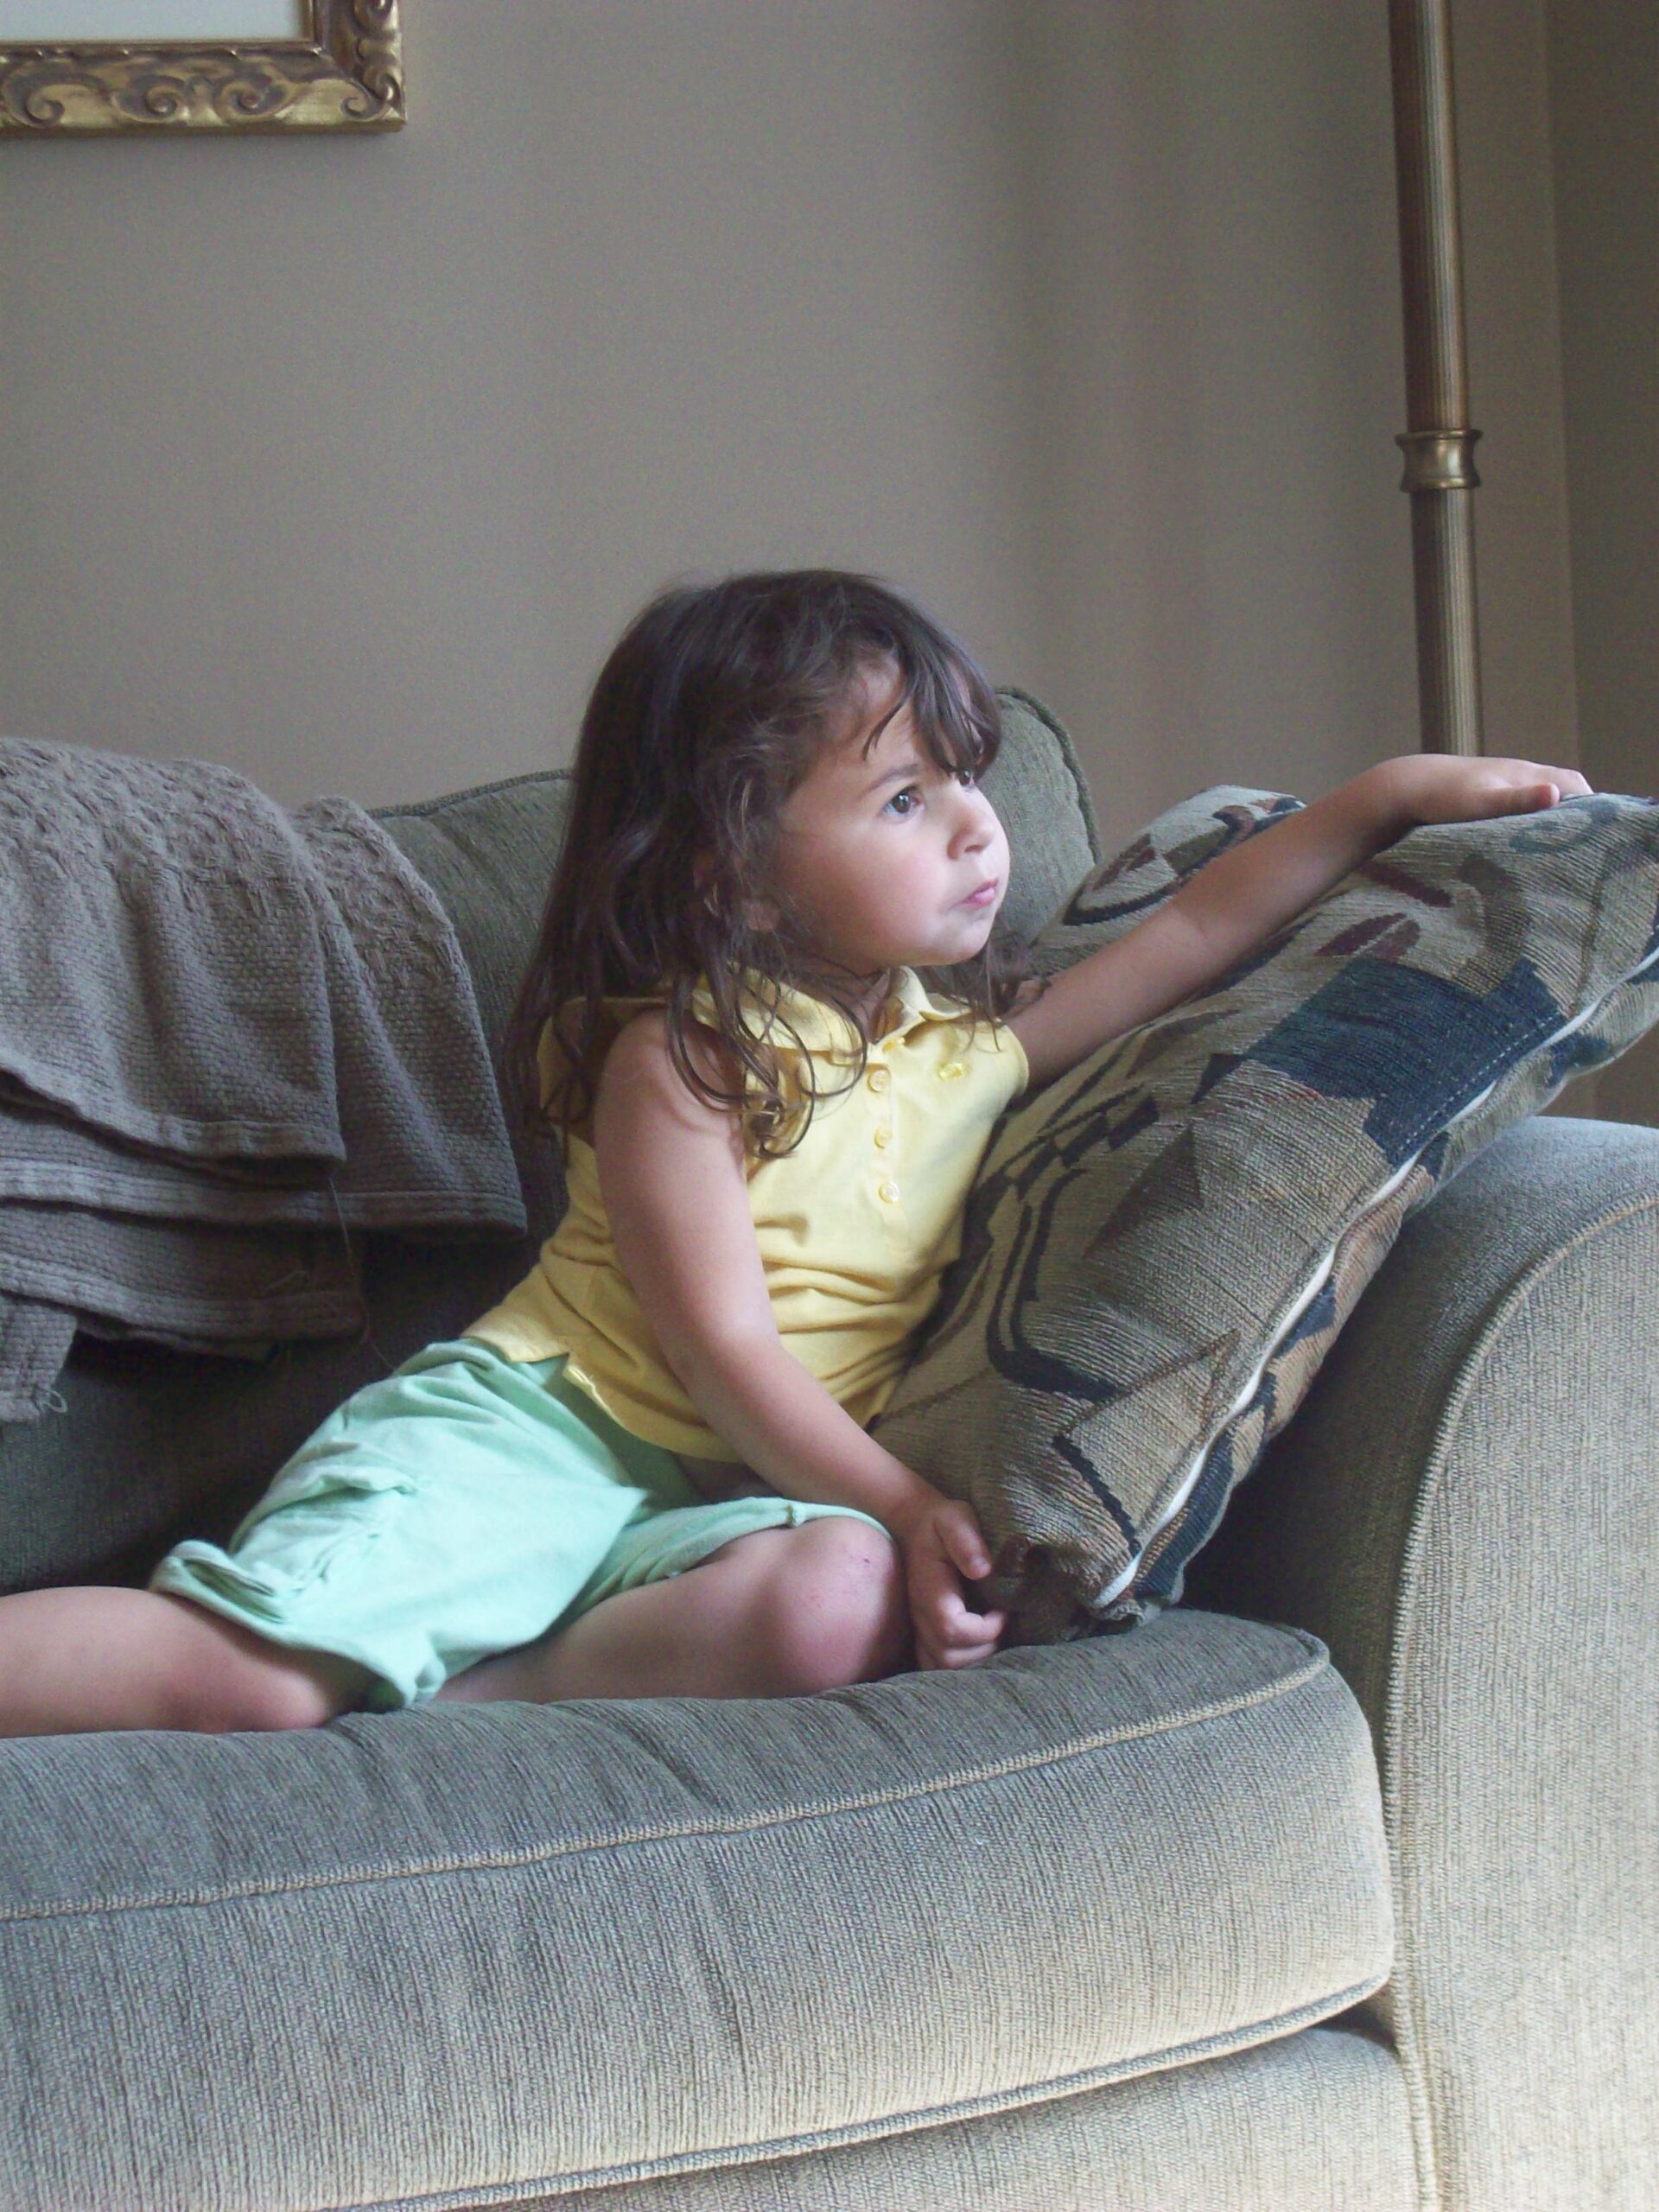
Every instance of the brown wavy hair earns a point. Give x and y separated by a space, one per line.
709 713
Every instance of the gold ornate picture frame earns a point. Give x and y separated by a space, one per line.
346 74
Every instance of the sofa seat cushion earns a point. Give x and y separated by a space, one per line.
486 1950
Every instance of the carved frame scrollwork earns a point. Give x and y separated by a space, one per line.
346 75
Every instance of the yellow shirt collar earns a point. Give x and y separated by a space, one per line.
821 1027
818 1027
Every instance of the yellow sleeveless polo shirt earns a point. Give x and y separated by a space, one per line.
855 1226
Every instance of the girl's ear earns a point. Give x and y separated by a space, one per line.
760 914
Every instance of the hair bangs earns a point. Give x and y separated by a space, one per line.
952 707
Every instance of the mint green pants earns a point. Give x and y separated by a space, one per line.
464 1505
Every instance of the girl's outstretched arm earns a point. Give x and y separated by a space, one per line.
672 1176
1239 899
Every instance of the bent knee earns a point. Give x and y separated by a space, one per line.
256 1707
842 1616
236 1683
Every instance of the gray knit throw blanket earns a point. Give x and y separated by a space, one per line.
226 1029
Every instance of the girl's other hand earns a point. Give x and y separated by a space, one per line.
1452 787
939 1541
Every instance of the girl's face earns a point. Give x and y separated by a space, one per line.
888 860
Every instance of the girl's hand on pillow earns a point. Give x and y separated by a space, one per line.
1452 787
940 1543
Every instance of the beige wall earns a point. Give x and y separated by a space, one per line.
1214 311
343 463
1604 141
1515 376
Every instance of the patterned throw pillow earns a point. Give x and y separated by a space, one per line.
1163 1244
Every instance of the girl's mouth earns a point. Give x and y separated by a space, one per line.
983 896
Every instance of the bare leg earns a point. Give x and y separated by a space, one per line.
777 1614
77 1660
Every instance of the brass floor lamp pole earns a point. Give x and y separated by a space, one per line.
1437 442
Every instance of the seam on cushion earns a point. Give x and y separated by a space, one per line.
904 2123
426 806
1404 1646
1317 1663
1068 755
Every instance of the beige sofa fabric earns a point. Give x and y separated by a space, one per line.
1315 2123
599 1941
1468 1508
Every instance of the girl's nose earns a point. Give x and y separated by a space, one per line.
976 824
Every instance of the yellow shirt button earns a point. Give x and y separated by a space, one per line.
889 1192
883 1138
952 1068
879 1079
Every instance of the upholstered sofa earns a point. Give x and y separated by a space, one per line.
1333 1887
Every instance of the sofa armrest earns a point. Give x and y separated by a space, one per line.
1466 1510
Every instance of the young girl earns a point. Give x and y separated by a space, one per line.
773 1022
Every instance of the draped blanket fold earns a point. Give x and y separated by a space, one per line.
230 1033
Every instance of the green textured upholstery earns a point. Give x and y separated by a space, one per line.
1467 1509
1100 1923
1312 2123
542 1945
